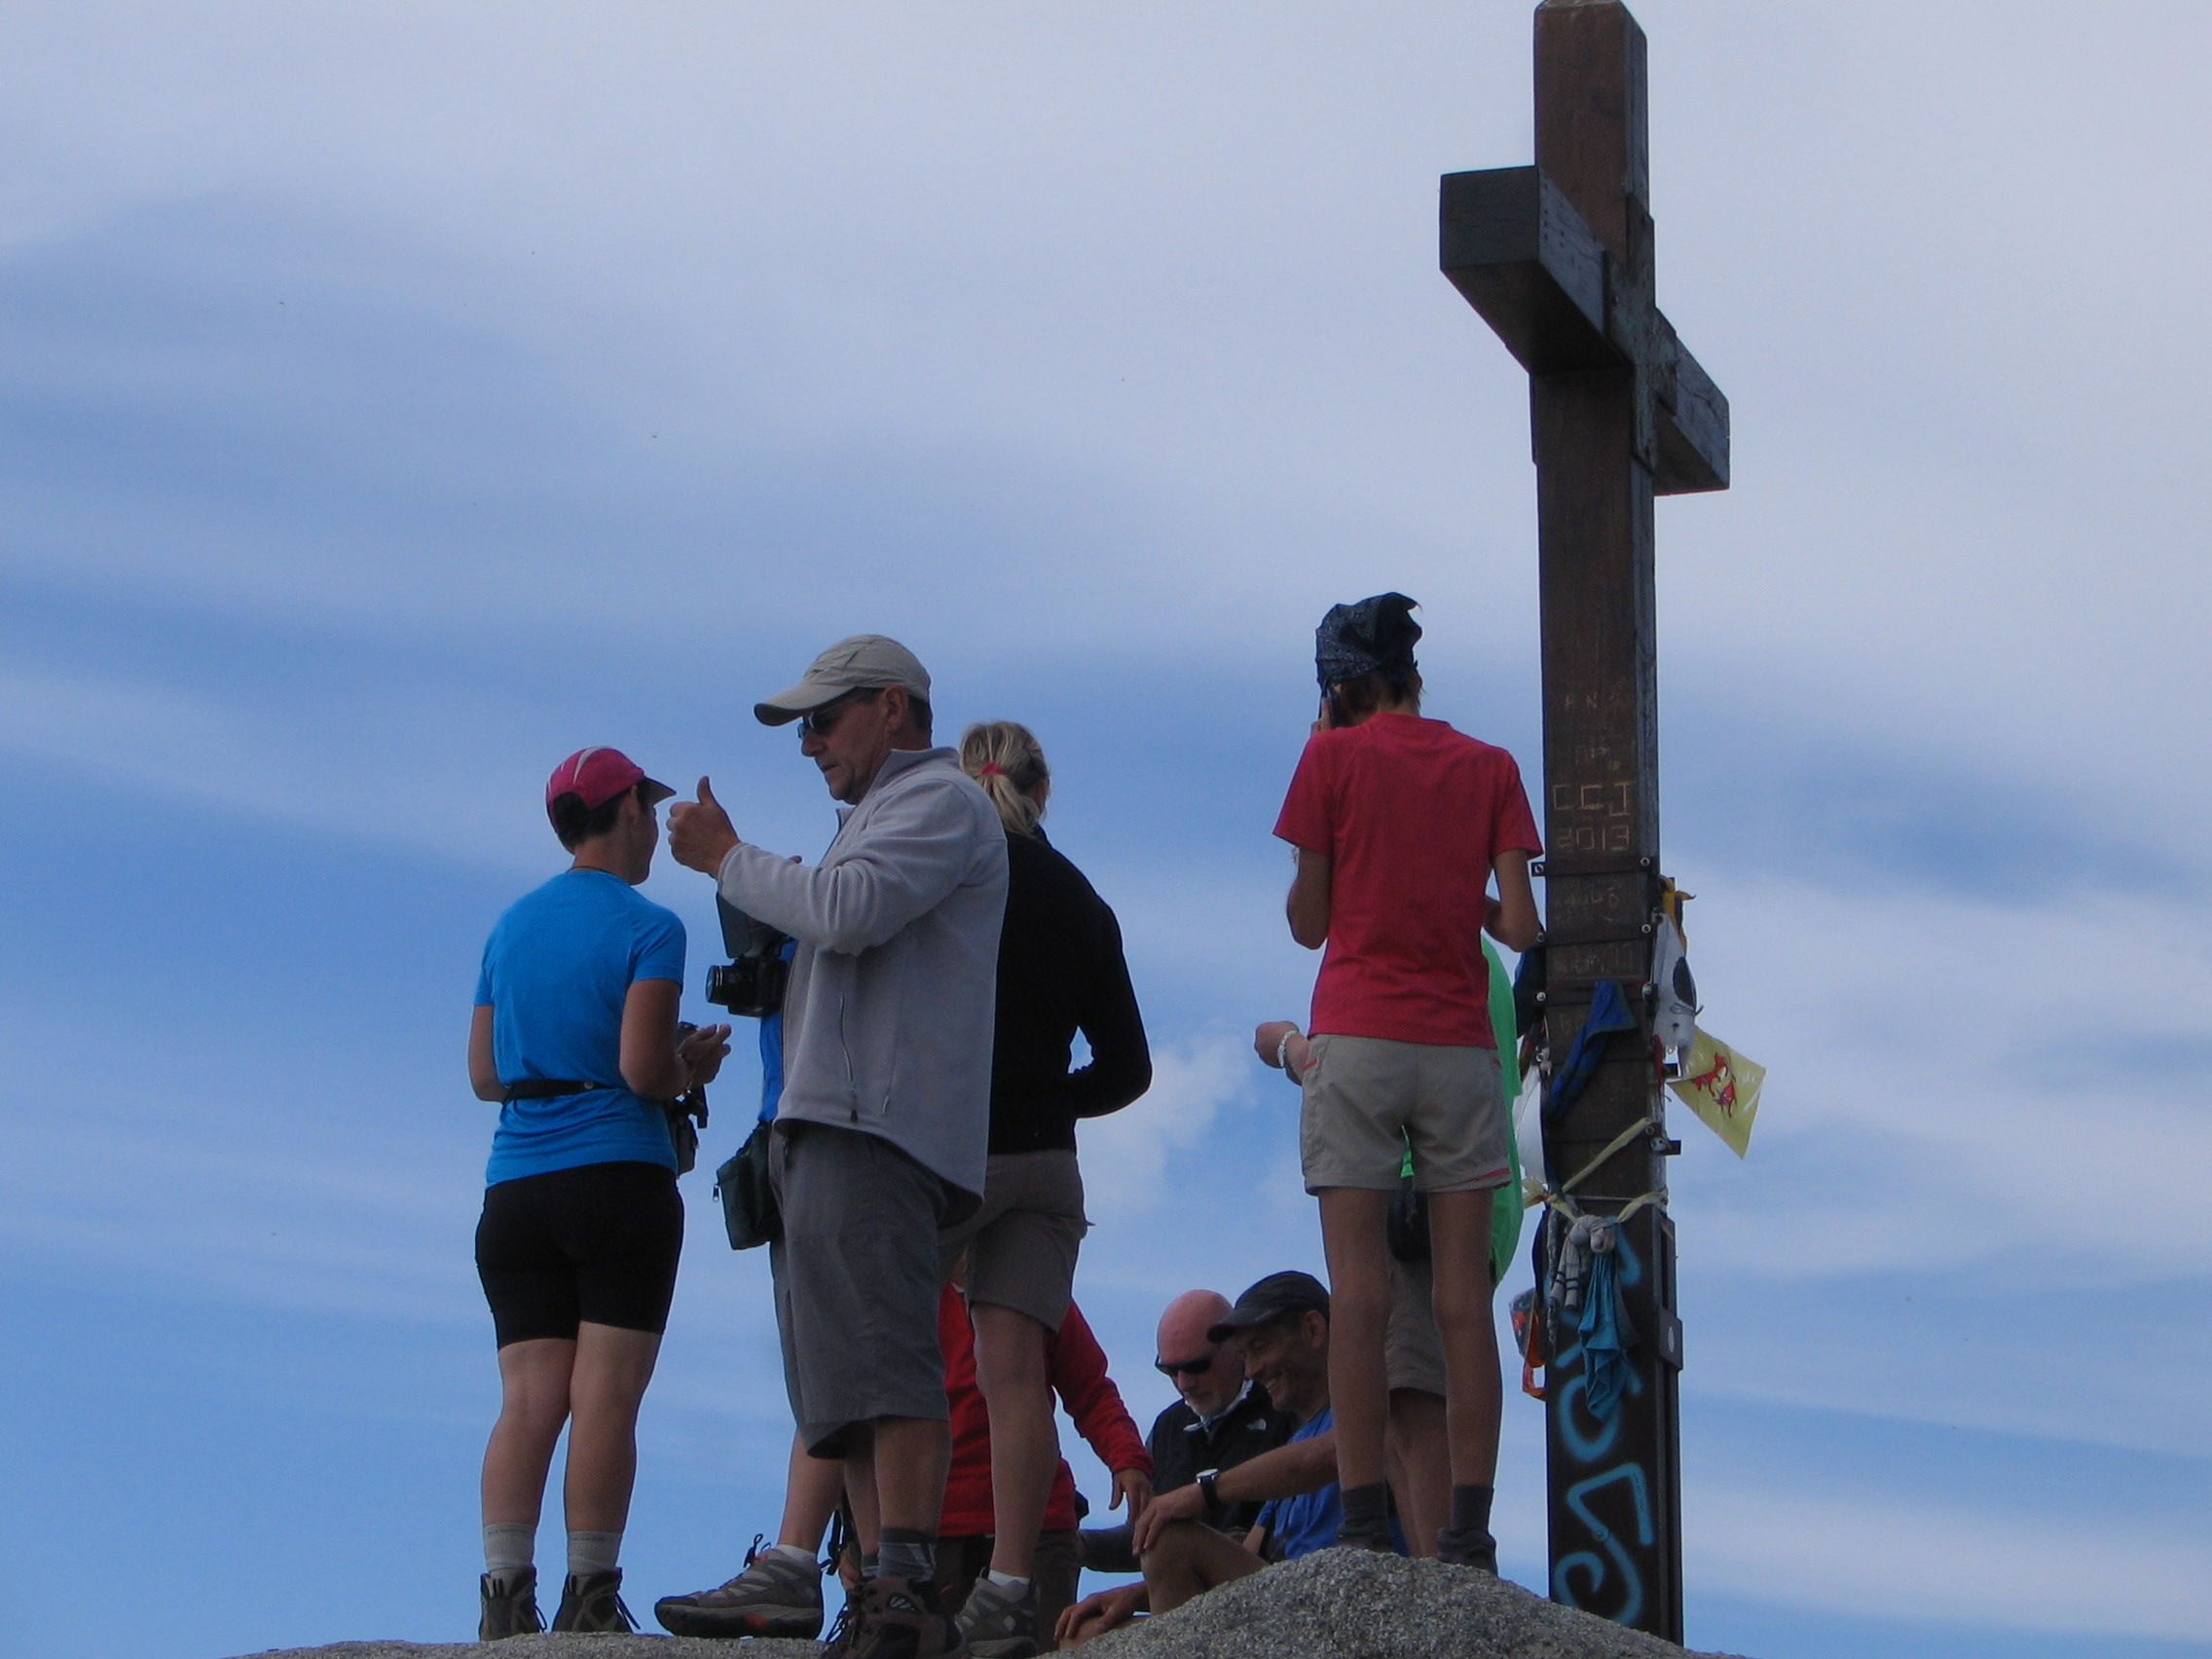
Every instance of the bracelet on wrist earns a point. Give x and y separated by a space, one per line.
1282 1053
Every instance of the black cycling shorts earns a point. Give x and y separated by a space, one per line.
597 1243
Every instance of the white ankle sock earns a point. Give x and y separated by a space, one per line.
1008 1581
593 1551
791 1552
509 1548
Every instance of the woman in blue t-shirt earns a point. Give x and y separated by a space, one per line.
576 1035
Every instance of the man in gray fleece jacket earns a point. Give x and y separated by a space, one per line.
883 1128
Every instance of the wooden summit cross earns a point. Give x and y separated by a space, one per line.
1557 258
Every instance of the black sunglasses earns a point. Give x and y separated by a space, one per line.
821 720
1172 1367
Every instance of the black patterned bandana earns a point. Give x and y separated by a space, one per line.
1355 639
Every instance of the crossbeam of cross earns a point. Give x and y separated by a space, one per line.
1569 291
1562 302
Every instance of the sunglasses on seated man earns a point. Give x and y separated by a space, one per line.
1174 1368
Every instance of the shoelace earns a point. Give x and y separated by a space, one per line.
591 1609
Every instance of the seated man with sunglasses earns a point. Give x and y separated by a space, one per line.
1222 1419
884 1123
1280 1328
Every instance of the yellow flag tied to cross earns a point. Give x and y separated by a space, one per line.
1722 1087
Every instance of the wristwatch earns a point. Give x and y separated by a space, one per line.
1206 1479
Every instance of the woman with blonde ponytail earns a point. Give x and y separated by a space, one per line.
1007 759
1060 971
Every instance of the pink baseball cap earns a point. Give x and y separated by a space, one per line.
597 776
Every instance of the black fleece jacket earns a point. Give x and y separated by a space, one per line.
1060 971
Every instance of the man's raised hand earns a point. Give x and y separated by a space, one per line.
699 832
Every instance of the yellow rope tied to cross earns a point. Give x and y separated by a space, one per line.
1557 1198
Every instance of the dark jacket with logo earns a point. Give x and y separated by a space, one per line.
1182 1448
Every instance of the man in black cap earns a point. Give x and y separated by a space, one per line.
1281 1328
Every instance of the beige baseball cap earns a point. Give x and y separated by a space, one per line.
863 661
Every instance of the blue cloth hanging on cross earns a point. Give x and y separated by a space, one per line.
1609 1013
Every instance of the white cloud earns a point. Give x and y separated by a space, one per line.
296 1226
281 760
684 227
2032 1364
1909 1560
1126 1156
1954 1082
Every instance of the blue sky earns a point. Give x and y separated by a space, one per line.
400 396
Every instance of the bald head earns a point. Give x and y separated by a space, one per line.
1181 1338
1183 1327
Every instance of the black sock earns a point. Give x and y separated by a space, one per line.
1470 1508
1366 1510
909 1553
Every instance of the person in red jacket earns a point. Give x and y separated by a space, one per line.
1076 1367
779 1591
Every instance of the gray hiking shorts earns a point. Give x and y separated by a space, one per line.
1021 1245
857 1280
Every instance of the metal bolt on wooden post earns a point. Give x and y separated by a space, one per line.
1558 259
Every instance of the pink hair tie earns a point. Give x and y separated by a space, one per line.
992 769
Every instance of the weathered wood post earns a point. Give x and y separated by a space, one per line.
1558 259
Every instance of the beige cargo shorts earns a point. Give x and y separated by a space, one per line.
1366 1099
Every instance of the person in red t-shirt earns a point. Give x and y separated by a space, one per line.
1400 824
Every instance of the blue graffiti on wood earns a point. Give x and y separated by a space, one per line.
1586 1444
1611 1578
1588 1561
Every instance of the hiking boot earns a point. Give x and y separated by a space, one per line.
773 1596
1478 1550
590 1603
838 1644
903 1620
507 1607
998 1622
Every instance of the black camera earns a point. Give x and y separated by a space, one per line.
751 982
